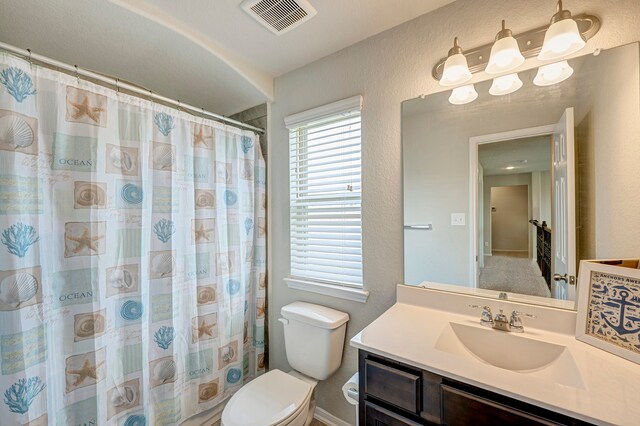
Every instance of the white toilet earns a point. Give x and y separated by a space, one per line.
314 339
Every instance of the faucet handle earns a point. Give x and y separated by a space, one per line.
522 314
515 322
486 318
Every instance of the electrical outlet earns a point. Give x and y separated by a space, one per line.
457 219
486 243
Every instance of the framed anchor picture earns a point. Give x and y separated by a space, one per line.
609 306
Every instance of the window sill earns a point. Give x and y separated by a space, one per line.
332 290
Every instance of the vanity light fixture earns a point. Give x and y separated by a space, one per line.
553 73
562 38
456 70
558 39
505 84
463 95
565 36
505 53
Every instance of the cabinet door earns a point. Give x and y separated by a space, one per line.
461 408
378 416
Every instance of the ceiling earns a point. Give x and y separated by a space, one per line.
208 53
525 155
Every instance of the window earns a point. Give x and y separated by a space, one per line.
325 194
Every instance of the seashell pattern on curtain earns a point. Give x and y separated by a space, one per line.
132 277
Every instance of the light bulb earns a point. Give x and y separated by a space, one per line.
456 70
505 84
553 73
505 53
562 38
463 95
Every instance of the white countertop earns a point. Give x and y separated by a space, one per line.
408 332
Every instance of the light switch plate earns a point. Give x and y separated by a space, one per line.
457 219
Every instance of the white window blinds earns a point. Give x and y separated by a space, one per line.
325 193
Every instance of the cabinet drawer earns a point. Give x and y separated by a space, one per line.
378 416
462 408
392 385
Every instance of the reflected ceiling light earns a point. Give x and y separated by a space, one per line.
456 70
553 73
505 84
510 167
505 53
562 38
463 95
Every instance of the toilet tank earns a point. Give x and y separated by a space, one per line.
314 338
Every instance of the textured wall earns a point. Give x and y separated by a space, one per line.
387 69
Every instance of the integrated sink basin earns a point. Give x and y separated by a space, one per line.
512 352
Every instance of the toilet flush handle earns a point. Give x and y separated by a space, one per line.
284 321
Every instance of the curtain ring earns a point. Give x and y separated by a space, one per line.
117 85
77 74
29 58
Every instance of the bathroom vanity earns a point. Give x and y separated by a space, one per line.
427 360
399 394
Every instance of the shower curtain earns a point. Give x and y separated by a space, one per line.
132 255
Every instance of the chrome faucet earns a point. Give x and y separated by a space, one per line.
515 322
500 321
486 318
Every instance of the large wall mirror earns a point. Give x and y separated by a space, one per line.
505 195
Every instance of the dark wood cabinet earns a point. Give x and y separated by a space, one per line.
396 394
378 416
397 387
463 408
543 250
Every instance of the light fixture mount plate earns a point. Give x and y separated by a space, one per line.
529 42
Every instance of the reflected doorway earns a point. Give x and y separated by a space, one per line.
514 189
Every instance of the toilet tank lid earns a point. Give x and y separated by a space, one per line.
316 315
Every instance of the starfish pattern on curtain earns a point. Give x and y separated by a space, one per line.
131 288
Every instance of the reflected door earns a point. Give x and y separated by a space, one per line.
563 227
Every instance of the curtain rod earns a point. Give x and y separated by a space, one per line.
26 53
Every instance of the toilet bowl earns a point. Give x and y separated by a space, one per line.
273 399
314 339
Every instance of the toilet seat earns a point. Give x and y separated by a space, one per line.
275 398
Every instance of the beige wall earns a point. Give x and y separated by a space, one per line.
387 69
495 181
509 218
608 200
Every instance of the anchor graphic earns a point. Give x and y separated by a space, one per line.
622 303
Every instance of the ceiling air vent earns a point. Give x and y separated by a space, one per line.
279 16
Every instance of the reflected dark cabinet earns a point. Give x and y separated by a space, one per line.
396 394
543 250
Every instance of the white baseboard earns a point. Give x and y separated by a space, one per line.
328 418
